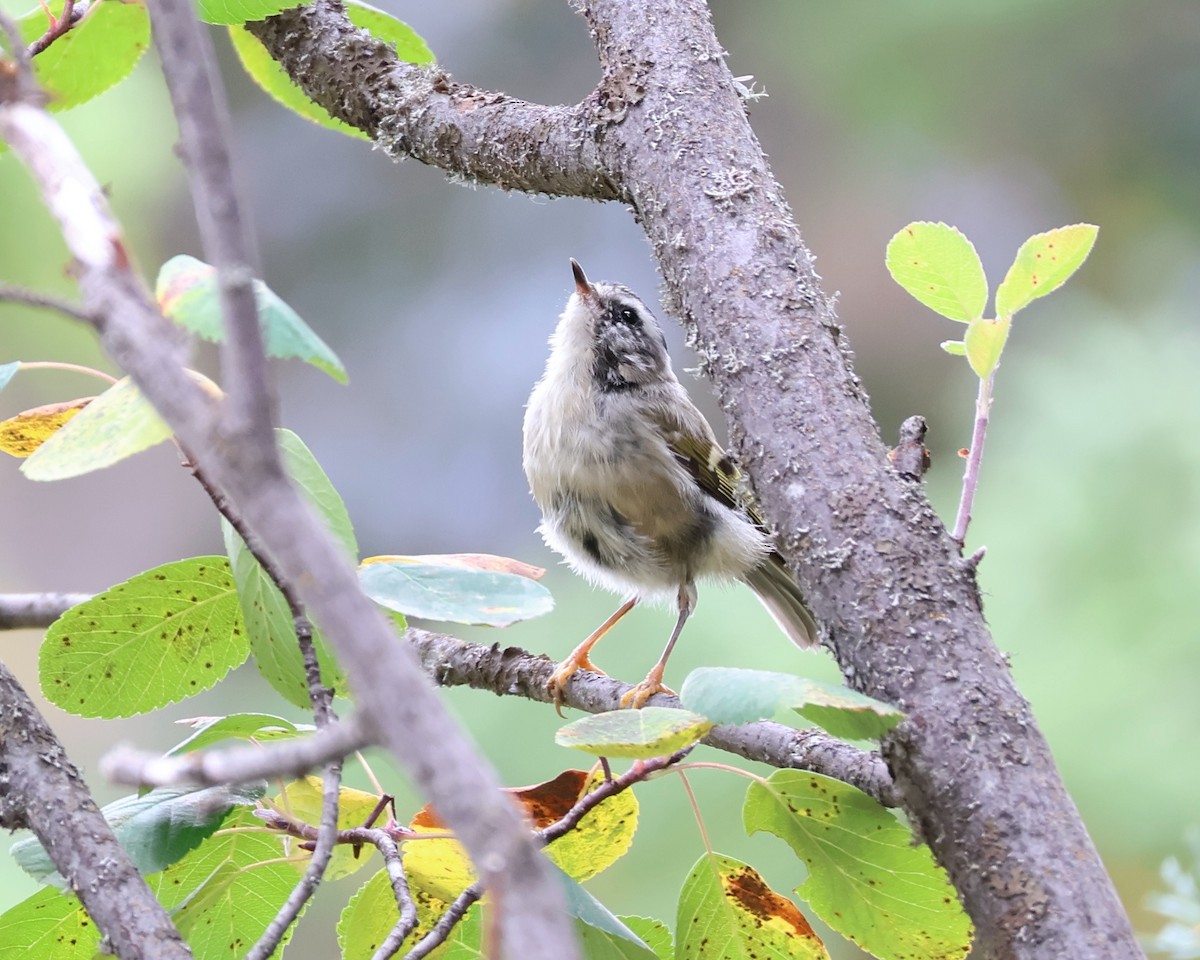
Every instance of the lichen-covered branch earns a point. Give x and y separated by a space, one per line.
424 113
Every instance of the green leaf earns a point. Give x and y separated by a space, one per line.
268 618
49 925
155 829
602 933
654 933
114 426
634 734
435 590
187 292
242 11
223 894
956 348
159 637
8 371
939 266
731 695
372 913
259 727
985 342
268 74
1043 264
866 878
96 53
726 910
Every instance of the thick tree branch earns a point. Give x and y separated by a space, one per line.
41 789
421 112
505 671
899 605
510 671
411 720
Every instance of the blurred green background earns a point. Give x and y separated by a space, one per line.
1003 117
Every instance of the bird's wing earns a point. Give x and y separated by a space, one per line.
693 445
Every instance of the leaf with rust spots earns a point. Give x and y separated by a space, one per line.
726 909
164 635
29 429
866 878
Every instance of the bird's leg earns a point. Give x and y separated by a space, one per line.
638 695
578 660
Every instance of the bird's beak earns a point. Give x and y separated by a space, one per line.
585 290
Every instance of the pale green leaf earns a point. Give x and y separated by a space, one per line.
159 637
49 925
269 621
96 53
259 727
242 11
985 342
187 293
654 933
732 695
223 894
956 348
1043 264
155 828
448 591
634 734
866 878
268 74
115 425
939 266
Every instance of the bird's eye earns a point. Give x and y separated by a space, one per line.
627 316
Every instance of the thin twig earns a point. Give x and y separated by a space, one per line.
442 929
407 923
327 836
983 408
241 764
22 611
58 27
35 298
189 67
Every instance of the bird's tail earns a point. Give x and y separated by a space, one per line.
779 593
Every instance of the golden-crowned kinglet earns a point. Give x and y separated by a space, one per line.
635 492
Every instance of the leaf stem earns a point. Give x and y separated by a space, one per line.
983 407
74 367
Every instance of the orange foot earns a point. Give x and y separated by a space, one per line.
636 697
562 674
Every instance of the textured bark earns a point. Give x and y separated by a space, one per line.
41 789
667 132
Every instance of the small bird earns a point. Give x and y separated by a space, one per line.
634 490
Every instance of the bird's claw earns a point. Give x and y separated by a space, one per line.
636 697
557 684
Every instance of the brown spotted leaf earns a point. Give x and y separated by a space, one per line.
866 878
726 911
159 637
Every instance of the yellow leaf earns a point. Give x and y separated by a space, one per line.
28 430
302 800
